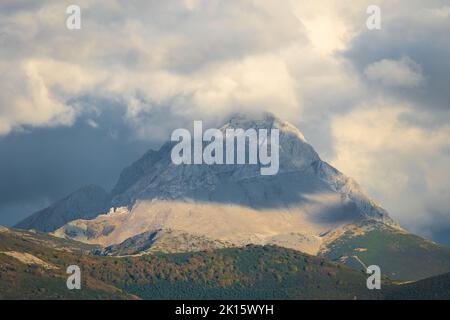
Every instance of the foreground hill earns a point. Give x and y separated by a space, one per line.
399 254
434 288
33 266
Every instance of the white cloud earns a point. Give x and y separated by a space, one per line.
404 165
397 73
91 123
196 56
440 12
26 101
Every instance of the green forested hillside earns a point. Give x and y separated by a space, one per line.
437 287
252 272
400 255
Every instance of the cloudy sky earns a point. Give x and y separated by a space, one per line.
78 105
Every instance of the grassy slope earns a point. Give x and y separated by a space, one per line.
253 272
437 288
29 281
400 255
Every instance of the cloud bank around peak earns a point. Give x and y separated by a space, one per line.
192 55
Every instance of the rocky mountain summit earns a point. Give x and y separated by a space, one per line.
302 172
232 203
308 206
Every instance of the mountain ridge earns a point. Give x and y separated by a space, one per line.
295 155
87 202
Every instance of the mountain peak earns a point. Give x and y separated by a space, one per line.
304 184
243 117
263 120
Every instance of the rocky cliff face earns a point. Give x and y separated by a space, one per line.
233 203
155 177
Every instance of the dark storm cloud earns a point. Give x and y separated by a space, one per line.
43 165
426 41
439 227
